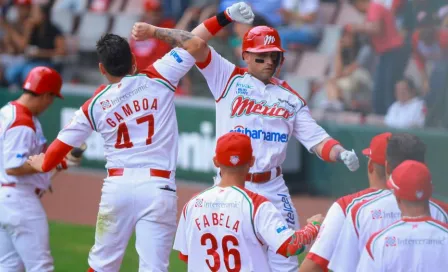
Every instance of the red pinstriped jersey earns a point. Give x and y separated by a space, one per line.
229 229
135 117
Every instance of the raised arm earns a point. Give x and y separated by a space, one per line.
175 37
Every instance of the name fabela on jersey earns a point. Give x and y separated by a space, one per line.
216 219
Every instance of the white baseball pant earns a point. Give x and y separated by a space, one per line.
24 237
135 201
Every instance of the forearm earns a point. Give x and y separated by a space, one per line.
301 238
211 26
328 150
179 38
23 170
55 154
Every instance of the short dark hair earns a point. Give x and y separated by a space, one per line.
402 147
115 54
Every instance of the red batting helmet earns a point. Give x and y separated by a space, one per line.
42 80
262 39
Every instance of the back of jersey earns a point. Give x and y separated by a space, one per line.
137 120
219 231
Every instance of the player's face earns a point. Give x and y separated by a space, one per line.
262 65
46 100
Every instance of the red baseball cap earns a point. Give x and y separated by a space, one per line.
234 149
152 5
378 147
411 180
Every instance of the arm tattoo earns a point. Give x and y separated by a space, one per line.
174 37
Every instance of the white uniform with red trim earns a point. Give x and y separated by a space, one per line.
324 246
24 236
417 245
270 114
229 229
365 219
137 120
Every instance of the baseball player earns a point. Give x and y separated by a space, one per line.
228 228
375 214
416 242
24 240
136 117
320 253
253 102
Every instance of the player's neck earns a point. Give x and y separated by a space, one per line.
113 79
377 183
414 211
232 179
29 103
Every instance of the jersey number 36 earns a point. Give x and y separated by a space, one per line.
123 139
226 252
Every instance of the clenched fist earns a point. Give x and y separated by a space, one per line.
142 31
241 13
316 218
350 160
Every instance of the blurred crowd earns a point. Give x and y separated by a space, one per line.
367 72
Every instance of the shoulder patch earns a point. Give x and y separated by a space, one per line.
85 106
237 73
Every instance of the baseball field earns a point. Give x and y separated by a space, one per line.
72 209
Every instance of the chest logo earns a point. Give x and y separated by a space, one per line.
246 106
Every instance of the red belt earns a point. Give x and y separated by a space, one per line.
37 191
118 172
263 176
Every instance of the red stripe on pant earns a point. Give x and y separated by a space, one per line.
91 270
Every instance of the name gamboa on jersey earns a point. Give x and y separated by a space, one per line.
270 114
136 117
228 229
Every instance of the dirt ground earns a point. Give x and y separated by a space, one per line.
76 196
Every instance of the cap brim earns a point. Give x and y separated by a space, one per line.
263 50
60 96
366 152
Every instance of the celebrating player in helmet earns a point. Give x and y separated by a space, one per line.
229 220
24 240
253 102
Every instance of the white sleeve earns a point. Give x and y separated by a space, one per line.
271 226
366 263
329 232
17 143
77 131
419 115
347 245
174 65
306 130
217 72
180 242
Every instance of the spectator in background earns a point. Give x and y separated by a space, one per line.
44 44
304 25
409 110
75 6
430 44
352 76
388 44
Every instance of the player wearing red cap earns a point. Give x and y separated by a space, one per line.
23 223
375 214
415 243
322 250
227 227
253 102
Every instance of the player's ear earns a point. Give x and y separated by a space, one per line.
101 68
370 166
134 65
215 161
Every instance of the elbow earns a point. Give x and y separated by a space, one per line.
198 45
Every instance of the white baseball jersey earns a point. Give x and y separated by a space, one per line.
21 136
270 114
323 247
229 229
417 245
365 219
136 117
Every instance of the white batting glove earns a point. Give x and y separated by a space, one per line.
241 13
350 159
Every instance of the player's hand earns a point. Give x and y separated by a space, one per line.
316 218
142 31
350 159
74 157
241 13
36 162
